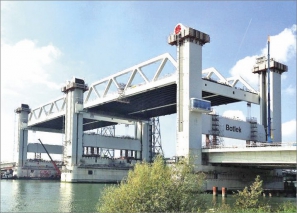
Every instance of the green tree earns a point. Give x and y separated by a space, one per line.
156 187
248 200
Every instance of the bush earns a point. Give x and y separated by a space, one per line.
287 207
156 187
249 198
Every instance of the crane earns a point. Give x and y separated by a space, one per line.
53 162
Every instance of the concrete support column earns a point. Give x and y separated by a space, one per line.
147 141
143 133
276 69
263 100
74 121
224 192
22 136
276 107
215 191
189 44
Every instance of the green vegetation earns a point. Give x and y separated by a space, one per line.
158 187
248 201
287 207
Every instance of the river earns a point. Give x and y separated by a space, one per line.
55 196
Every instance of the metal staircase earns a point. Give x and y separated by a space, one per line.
215 131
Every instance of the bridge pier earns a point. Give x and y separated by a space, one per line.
22 137
73 147
143 132
80 162
276 69
234 178
189 44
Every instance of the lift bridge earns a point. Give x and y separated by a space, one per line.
134 96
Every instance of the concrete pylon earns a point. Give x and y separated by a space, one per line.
275 94
73 149
143 132
22 136
276 70
189 44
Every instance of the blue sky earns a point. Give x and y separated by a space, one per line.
46 43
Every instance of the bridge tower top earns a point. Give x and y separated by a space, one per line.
182 33
75 83
23 108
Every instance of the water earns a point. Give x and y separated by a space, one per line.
49 196
55 196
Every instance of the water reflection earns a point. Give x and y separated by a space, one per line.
14 196
65 201
79 197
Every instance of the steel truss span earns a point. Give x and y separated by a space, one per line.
154 97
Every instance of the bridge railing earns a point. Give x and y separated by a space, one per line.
258 144
48 109
254 145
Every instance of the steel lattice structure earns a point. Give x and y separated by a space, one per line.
107 131
156 138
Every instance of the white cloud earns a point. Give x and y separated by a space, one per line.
283 45
25 69
282 49
236 114
244 69
289 130
290 90
24 63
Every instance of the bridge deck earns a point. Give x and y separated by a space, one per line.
282 156
145 104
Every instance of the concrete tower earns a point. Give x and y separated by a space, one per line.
22 136
276 69
189 44
73 148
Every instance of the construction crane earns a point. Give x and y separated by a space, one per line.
53 162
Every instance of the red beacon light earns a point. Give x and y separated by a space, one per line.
177 29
